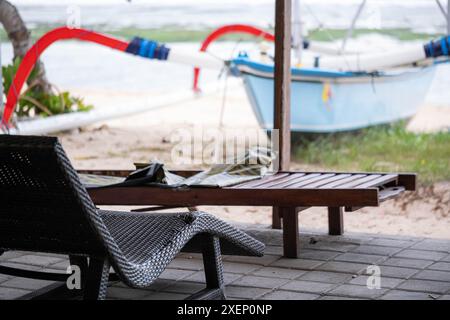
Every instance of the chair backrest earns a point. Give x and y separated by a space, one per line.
43 205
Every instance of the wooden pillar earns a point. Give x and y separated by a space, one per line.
282 90
282 101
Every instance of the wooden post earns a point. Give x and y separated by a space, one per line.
335 221
290 232
282 90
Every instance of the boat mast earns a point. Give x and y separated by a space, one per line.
297 35
1 83
352 26
446 13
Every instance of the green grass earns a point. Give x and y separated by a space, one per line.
169 34
380 149
179 34
176 35
402 34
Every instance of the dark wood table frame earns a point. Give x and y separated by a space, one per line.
290 192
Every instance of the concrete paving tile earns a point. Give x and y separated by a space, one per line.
242 268
176 274
60 265
127 293
350 290
346 267
359 257
260 282
289 295
329 246
376 250
397 272
26 284
425 286
441 266
391 243
185 287
274 250
421 254
385 283
22 266
433 244
245 292
307 286
407 263
264 261
157 285
327 277
10 255
187 264
282 273
433 275
327 297
406 295
200 277
12 293
166 296
302 264
317 254
35 260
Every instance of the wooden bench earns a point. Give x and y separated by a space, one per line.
288 192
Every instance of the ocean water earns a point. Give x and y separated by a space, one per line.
420 15
88 66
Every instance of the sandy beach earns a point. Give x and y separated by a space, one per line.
117 144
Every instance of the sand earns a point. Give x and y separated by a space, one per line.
117 144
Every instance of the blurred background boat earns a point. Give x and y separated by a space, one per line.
332 101
338 97
337 90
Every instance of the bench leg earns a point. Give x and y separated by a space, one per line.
276 217
290 232
335 221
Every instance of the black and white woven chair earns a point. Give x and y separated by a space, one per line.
45 208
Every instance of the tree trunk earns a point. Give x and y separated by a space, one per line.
20 39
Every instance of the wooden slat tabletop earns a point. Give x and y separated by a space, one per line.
281 189
379 181
297 178
326 180
358 181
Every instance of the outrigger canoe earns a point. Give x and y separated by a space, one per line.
332 101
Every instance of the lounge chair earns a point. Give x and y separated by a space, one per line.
45 208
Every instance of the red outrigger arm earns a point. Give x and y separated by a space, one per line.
138 46
33 54
233 28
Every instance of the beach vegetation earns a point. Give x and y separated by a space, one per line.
35 102
383 148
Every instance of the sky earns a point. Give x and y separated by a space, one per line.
212 2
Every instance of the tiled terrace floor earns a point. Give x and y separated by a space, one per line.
328 268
